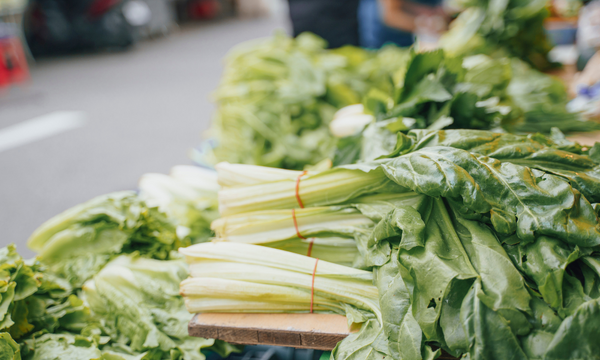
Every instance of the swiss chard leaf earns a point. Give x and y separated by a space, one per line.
367 344
583 329
512 194
485 329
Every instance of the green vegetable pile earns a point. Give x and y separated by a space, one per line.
39 312
278 95
437 91
513 28
481 244
105 284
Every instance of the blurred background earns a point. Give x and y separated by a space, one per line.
90 120
94 93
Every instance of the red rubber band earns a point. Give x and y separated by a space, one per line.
298 189
310 245
312 288
296 225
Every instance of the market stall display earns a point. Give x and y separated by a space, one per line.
430 198
491 251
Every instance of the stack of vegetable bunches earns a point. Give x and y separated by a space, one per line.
485 245
105 284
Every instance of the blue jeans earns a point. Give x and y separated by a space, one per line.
373 33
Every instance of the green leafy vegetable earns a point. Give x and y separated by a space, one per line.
35 302
140 308
234 277
328 232
9 349
277 97
488 26
486 248
438 91
188 197
79 242
135 310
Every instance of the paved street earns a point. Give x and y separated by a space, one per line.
144 110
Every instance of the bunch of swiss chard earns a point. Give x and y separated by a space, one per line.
436 91
485 245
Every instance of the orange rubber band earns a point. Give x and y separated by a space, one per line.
296 225
312 288
310 246
298 189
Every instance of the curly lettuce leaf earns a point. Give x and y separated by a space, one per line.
63 346
9 349
79 242
138 302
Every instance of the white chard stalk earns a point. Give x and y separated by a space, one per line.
237 277
247 188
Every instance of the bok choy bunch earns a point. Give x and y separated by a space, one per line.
250 188
328 233
225 275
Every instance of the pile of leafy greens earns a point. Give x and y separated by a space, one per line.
36 309
436 91
138 305
490 250
105 282
169 212
79 242
504 28
278 95
188 196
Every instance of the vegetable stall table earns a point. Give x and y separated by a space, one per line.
308 331
305 331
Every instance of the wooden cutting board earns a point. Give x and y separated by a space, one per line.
305 331
585 138
308 331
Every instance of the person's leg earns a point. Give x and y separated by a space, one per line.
334 20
